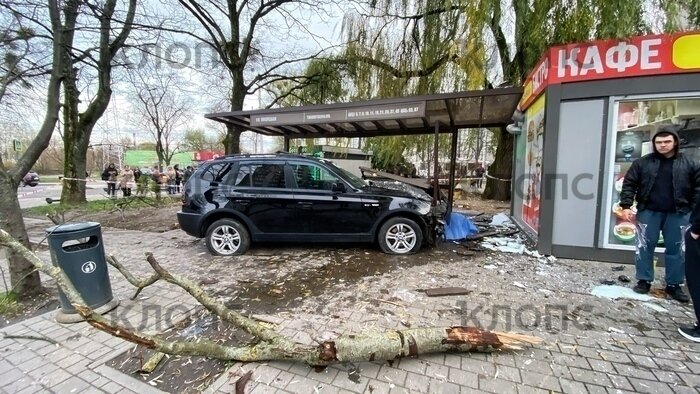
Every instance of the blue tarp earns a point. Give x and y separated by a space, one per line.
459 227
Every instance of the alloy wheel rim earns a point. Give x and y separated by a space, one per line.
400 238
225 240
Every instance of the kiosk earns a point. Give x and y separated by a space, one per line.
588 110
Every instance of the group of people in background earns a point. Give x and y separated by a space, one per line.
172 179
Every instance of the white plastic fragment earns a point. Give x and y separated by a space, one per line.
614 292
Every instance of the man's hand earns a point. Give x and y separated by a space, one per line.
627 214
695 236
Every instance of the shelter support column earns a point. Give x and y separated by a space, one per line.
436 185
286 144
453 161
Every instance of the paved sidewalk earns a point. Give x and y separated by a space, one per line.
592 345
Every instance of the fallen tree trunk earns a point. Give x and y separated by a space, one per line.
387 345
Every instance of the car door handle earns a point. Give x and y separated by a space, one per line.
241 202
305 204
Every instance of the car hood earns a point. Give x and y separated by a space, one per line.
396 188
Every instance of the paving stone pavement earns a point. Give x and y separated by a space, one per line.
591 344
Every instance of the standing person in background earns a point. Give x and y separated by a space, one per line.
126 180
479 172
170 181
666 185
178 177
110 175
188 173
156 176
137 180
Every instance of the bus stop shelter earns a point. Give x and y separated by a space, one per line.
412 115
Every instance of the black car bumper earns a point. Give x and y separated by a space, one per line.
190 223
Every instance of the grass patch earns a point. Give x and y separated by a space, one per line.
105 205
9 305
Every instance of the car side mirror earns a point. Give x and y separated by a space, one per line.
338 187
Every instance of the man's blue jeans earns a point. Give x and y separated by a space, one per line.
673 227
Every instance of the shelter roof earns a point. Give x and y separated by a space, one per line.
382 117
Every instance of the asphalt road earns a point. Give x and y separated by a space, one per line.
37 195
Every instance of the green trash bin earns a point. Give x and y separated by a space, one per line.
77 249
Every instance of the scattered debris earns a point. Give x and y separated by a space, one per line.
615 292
501 219
518 284
607 282
491 233
459 227
623 278
152 363
490 267
242 381
503 244
655 307
445 291
615 330
618 268
658 293
404 295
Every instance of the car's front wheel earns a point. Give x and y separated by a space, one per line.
400 236
227 237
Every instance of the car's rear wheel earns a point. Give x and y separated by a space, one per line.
400 236
227 237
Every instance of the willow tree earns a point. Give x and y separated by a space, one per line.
400 49
401 33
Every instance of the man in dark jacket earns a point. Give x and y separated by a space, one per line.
666 185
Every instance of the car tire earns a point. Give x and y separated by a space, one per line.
227 237
400 236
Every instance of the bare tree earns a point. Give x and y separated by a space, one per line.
85 67
24 278
247 35
160 108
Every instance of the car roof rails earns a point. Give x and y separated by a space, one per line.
276 154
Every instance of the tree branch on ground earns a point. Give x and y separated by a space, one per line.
388 345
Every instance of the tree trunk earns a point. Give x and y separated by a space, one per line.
24 278
232 140
74 167
501 168
74 141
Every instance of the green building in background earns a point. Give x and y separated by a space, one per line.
149 158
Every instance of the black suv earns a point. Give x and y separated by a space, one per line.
236 199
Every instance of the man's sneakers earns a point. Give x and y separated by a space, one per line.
691 333
677 293
642 287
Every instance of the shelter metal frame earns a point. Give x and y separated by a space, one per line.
410 115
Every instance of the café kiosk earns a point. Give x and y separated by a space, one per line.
588 110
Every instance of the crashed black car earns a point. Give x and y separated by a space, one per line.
235 200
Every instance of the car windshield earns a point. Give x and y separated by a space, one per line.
354 180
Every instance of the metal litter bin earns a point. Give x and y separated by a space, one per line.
77 249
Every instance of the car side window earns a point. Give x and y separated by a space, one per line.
313 177
216 172
261 175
